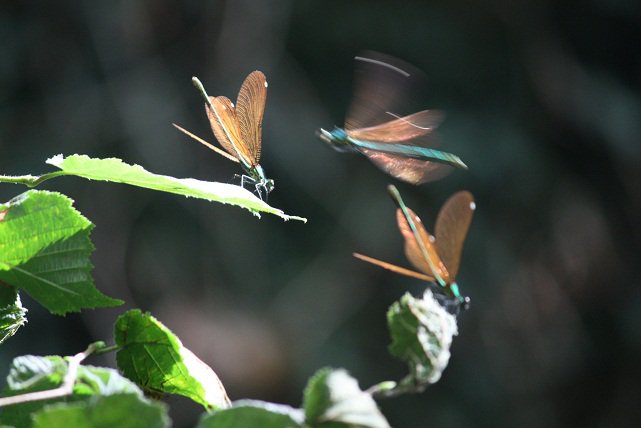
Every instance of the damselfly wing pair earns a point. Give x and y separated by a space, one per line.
436 257
238 128
402 146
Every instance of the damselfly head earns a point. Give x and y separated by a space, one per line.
453 306
325 136
336 139
263 188
269 185
262 184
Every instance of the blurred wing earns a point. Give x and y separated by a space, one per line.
250 107
381 84
452 224
400 129
410 170
413 249
224 124
393 268
410 151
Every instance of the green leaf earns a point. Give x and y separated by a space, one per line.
153 357
253 413
45 249
422 332
12 314
334 400
115 170
31 373
118 410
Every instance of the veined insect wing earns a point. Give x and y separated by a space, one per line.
402 129
221 115
452 225
224 125
419 244
420 247
250 108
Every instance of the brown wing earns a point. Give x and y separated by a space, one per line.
394 268
224 124
250 107
452 224
382 84
400 129
413 249
410 170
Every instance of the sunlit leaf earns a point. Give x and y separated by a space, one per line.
117 171
45 249
12 313
153 357
333 399
421 331
30 373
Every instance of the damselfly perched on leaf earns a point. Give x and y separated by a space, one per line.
238 128
399 145
436 257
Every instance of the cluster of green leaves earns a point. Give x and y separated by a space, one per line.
45 247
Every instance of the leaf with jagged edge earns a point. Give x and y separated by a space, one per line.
12 313
422 332
44 251
117 171
153 357
31 373
333 399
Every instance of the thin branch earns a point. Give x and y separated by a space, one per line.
107 349
63 390
30 180
390 388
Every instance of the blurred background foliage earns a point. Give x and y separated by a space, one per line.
543 102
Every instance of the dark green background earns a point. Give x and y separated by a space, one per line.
543 102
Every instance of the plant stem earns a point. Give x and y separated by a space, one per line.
107 349
390 388
30 180
63 390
